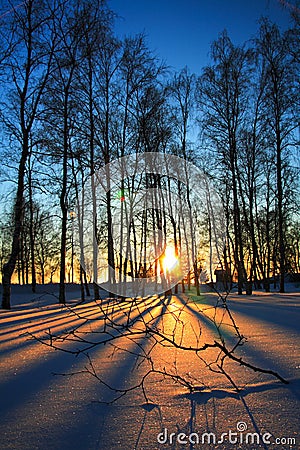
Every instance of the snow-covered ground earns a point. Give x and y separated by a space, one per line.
42 408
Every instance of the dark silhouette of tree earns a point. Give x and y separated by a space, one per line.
95 22
28 68
280 97
222 96
75 98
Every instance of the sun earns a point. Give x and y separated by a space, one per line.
170 260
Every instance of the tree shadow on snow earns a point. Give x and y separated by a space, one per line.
203 397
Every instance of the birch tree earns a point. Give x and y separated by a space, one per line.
281 99
27 68
222 98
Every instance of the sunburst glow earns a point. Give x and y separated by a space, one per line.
170 259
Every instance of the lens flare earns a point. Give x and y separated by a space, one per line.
170 260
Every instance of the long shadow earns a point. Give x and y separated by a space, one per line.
252 306
203 397
20 313
41 299
19 390
45 322
285 317
47 319
148 409
250 352
102 412
57 320
33 374
209 323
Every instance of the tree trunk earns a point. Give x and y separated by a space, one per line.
63 205
31 230
9 267
238 247
280 218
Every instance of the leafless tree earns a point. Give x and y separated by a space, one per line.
280 96
182 91
222 96
28 67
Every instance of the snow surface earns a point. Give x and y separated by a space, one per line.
42 408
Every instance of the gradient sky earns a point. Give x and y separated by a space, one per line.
180 31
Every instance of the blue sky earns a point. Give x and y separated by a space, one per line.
181 31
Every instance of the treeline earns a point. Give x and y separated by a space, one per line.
74 97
